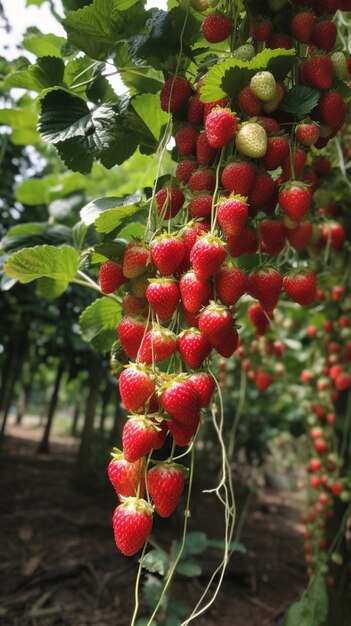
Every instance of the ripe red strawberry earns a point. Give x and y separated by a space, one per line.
200 207
169 200
229 345
318 72
220 126
321 166
262 29
167 253
249 102
343 381
299 160
215 323
126 478
273 236
232 215
331 110
295 199
131 305
184 170
301 288
262 380
136 386
193 347
259 318
191 319
265 285
183 433
307 133
324 35
262 190
302 26
216 27
157 345
132 523
277 151
185 139
192 231
179 399
166 483
174 93
139 437
202 180
334 235
231 283
244 243
323 7
238 177
279 40
300 236
209 106
195 110
269 124
163 295
195 292
207 255
131 331
136 259
111 277
204 386
205 154
161 426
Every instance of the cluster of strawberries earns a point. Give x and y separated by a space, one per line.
233 168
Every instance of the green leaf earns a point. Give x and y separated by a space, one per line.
312 608
189 569
23 122
43 261
109 220
43 45
46 72
196 542
112 250
156 561
36 233
134 230
78 71
148 107
152 590
99 321
235 546
93 210
300 100
50 288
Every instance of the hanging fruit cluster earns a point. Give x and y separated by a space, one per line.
246 174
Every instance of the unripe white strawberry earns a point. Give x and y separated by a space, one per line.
273 104
246 52
251 140
263 86
340 65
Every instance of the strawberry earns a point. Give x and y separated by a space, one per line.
301 288
215 323
232 215
139 437
157 345
203 180
179 399
307 133
185 139
299 163
135 306
331 110
251 140
277 151
126 478
249 102
229 345
111 277
230 284
192 231
200 207
322 7
184 170
183 433
273 104
194 291
262 29
334 235
136 259
169 201
244 243
209 106
262 190
207 255
340 65
273 235
324 35
265 285
167 253
279 40
175 93
262 380
258 318
238 177
163 296
318 72
321 166
344 5
269 124
220 126
131 331
343 381
132 523
300 236
295 199
165 484
204 386
302 26
205 153
193 347
195 110
216 27
191 319
136 386
263 85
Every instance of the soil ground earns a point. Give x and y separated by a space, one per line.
59 565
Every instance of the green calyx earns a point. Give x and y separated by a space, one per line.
136 505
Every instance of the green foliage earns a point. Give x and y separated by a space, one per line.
23 121
312 608
120 208
148 107
35 234
156 561
43 261
300 101
46 72
43 44
99 321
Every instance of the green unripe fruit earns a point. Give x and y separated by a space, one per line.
263 85
276 5
246 52
340 65
336 558
251 140
345 496
198 5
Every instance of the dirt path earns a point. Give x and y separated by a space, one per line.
59 566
